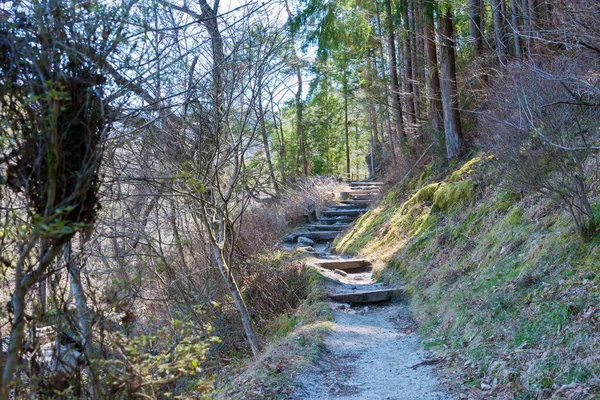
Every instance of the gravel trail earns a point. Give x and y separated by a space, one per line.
372 353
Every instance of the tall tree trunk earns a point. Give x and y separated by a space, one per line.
371 84
299 128
394 86
263 129
216 228
388 122
408 69
500 30
415 57
23 283
435 99
83 314
452 125
327 127
526 26
476 26
282 151
346 122
514 15
210 21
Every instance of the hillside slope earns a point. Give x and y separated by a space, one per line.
500 284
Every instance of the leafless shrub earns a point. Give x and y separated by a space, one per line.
311 195
543 125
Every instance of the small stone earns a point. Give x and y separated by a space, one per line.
305 241
485 386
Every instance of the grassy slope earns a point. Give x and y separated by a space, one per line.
499 283
295 340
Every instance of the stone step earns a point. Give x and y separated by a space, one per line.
359 193
367 296
365 183
313 235
356 202
327 227
363 197
364 189
347 207
344 213
334 220
344 265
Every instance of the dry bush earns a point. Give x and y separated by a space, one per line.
263 226
544 126
307 196
274 287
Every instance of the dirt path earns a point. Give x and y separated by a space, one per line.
372 352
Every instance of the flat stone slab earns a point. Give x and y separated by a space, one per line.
371 189
344 213
364 197
366 183
343 265
317 235
360 193
356 202
346 207
327 227
335 220
367 296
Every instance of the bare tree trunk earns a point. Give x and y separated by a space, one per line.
282 152
388 123
217 235
408 69
299 128
414 23
23 283
219 240
515 27
476 26
435 99
500 30
527 31
394 86
210 21
83 314
452 125
346 122
263 131
327 129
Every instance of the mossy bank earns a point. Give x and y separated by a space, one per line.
500 283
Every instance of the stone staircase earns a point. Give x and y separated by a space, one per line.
351 280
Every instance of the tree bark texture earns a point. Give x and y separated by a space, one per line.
500 30
433 76
476 26
394 86
452 125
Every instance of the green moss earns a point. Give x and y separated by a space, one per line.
450 194
466 170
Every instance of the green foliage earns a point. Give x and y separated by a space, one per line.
153 362
450 194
